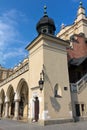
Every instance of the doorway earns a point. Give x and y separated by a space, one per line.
36 109
80 110
77 107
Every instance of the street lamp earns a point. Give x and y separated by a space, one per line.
41 81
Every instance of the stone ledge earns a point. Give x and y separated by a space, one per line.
59 121
51 122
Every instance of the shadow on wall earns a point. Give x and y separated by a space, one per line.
55 104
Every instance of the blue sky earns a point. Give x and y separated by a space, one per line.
18 20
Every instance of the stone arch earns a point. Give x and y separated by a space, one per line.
2 102
10 99
20 85
22 93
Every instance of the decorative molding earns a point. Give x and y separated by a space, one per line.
36 87
16 74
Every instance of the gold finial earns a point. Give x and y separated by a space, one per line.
80 3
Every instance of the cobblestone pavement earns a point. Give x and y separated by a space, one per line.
16 125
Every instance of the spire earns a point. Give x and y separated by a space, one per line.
45 10
81 11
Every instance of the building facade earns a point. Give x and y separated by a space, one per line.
79 25
4 73
49 86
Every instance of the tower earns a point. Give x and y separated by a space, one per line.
48 63
81 12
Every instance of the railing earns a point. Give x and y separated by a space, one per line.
80 85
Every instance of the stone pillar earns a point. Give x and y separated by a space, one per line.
16 115
0 110
0 107
7 109
16 112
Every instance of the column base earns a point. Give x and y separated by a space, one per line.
15 118
6 116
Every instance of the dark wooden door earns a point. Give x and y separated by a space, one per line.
36 109
77 106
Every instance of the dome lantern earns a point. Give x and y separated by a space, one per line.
46 25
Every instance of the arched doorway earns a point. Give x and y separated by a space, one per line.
22 91
2 96
10 96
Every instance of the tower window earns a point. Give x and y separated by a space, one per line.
57 91
44 31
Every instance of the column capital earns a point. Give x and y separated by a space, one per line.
6 99
16 98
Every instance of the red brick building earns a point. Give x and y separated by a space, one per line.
77 57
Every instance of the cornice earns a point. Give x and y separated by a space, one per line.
46 37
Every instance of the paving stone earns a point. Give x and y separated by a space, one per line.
16 125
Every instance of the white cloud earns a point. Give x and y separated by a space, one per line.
10 36
14 54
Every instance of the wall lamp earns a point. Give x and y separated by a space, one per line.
41 81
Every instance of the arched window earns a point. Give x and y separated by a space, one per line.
57 91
